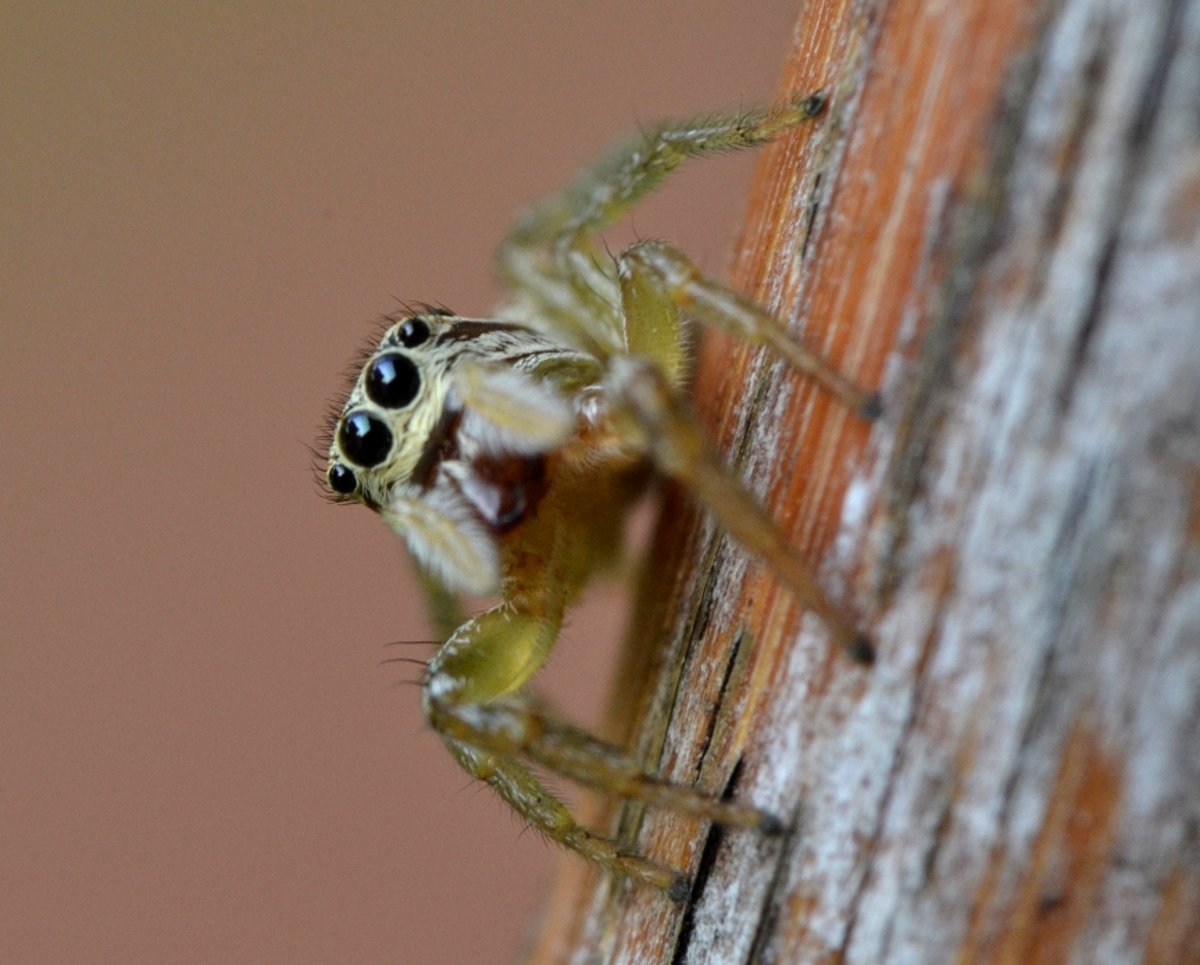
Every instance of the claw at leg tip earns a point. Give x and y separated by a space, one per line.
815 102
872 407
862 650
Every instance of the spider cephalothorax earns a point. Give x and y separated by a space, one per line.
446 433
506 452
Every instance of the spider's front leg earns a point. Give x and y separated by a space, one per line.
602 194
548 257
473 696
657 284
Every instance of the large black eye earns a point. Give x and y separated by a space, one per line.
393 381
364 439
413 332
342 479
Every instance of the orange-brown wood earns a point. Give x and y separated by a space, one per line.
994 222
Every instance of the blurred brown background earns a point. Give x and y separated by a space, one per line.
204 209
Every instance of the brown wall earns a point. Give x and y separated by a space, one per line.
203 211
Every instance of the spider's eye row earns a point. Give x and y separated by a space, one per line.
393 381
413 332
342 479
364 440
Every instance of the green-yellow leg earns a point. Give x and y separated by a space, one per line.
549 255
680 448
605 192
484 661
657 280
471 697
514 782
657 284
491 656
510 728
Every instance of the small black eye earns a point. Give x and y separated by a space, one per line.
413 332
364 439
393 381
342 479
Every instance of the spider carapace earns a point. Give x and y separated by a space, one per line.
505 454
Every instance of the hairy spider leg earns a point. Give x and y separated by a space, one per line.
602 194
678 445
490 740
511 727
549 256
520 787
657 283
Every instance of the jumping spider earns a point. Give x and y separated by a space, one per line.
505 453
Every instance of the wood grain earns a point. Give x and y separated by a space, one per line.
999 223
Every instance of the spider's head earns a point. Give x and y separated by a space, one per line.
384 433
